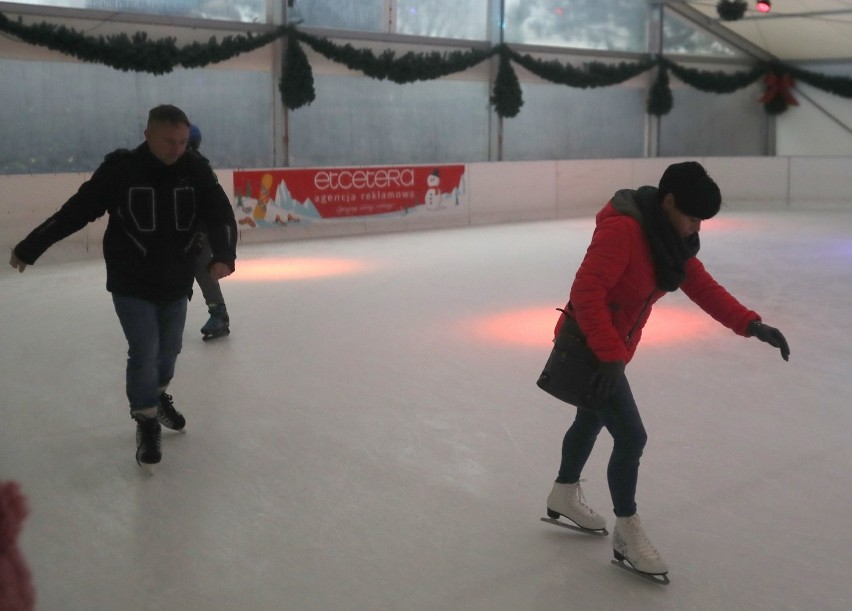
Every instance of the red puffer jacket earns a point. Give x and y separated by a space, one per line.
615 288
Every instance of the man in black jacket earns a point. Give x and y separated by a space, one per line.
155 196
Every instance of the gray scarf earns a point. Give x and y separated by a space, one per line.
669 252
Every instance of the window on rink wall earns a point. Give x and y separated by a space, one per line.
248 11
680 37
361 15
558 122
733 124
466 20
609 25
729 124
64 117
363 121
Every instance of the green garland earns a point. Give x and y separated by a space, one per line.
506 97
593 74
408 68
715 81
297 79
296 85
660 99
134 53
837 85
197 55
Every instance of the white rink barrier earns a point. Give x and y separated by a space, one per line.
498 192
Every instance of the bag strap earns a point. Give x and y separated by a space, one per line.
580 336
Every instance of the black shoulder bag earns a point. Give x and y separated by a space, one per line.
569 369
568 372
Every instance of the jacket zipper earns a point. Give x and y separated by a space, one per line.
629 337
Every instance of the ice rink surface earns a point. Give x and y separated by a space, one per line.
370 436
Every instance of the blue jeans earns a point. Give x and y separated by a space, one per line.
154 333
621 418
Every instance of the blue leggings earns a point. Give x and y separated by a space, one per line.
621 418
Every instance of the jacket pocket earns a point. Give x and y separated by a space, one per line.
141 204
184 200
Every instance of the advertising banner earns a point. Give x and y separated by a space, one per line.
278 197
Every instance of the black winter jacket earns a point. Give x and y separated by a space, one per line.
154 212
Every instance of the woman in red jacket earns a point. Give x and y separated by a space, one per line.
643 246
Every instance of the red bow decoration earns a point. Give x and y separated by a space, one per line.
778 86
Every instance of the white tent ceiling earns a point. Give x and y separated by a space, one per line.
793 30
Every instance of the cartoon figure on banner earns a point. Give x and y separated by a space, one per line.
265 205
433 193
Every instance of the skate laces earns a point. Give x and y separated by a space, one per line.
149 430
167 406
147 440
641 542
167 414
581 500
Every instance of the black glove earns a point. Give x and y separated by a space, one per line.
771 336
605 380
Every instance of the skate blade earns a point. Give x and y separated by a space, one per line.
662 578
148 468
209 336
601 533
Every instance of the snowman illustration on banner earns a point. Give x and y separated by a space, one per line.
433 193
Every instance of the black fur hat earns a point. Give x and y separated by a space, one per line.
695 193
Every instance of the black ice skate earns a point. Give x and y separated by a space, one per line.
168 416
218 323
147 442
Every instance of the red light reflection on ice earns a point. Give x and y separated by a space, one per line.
533 327
670 324
723 223
527 327
293 268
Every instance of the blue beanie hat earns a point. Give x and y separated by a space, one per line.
194 137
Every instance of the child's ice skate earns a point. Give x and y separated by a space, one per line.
218 324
